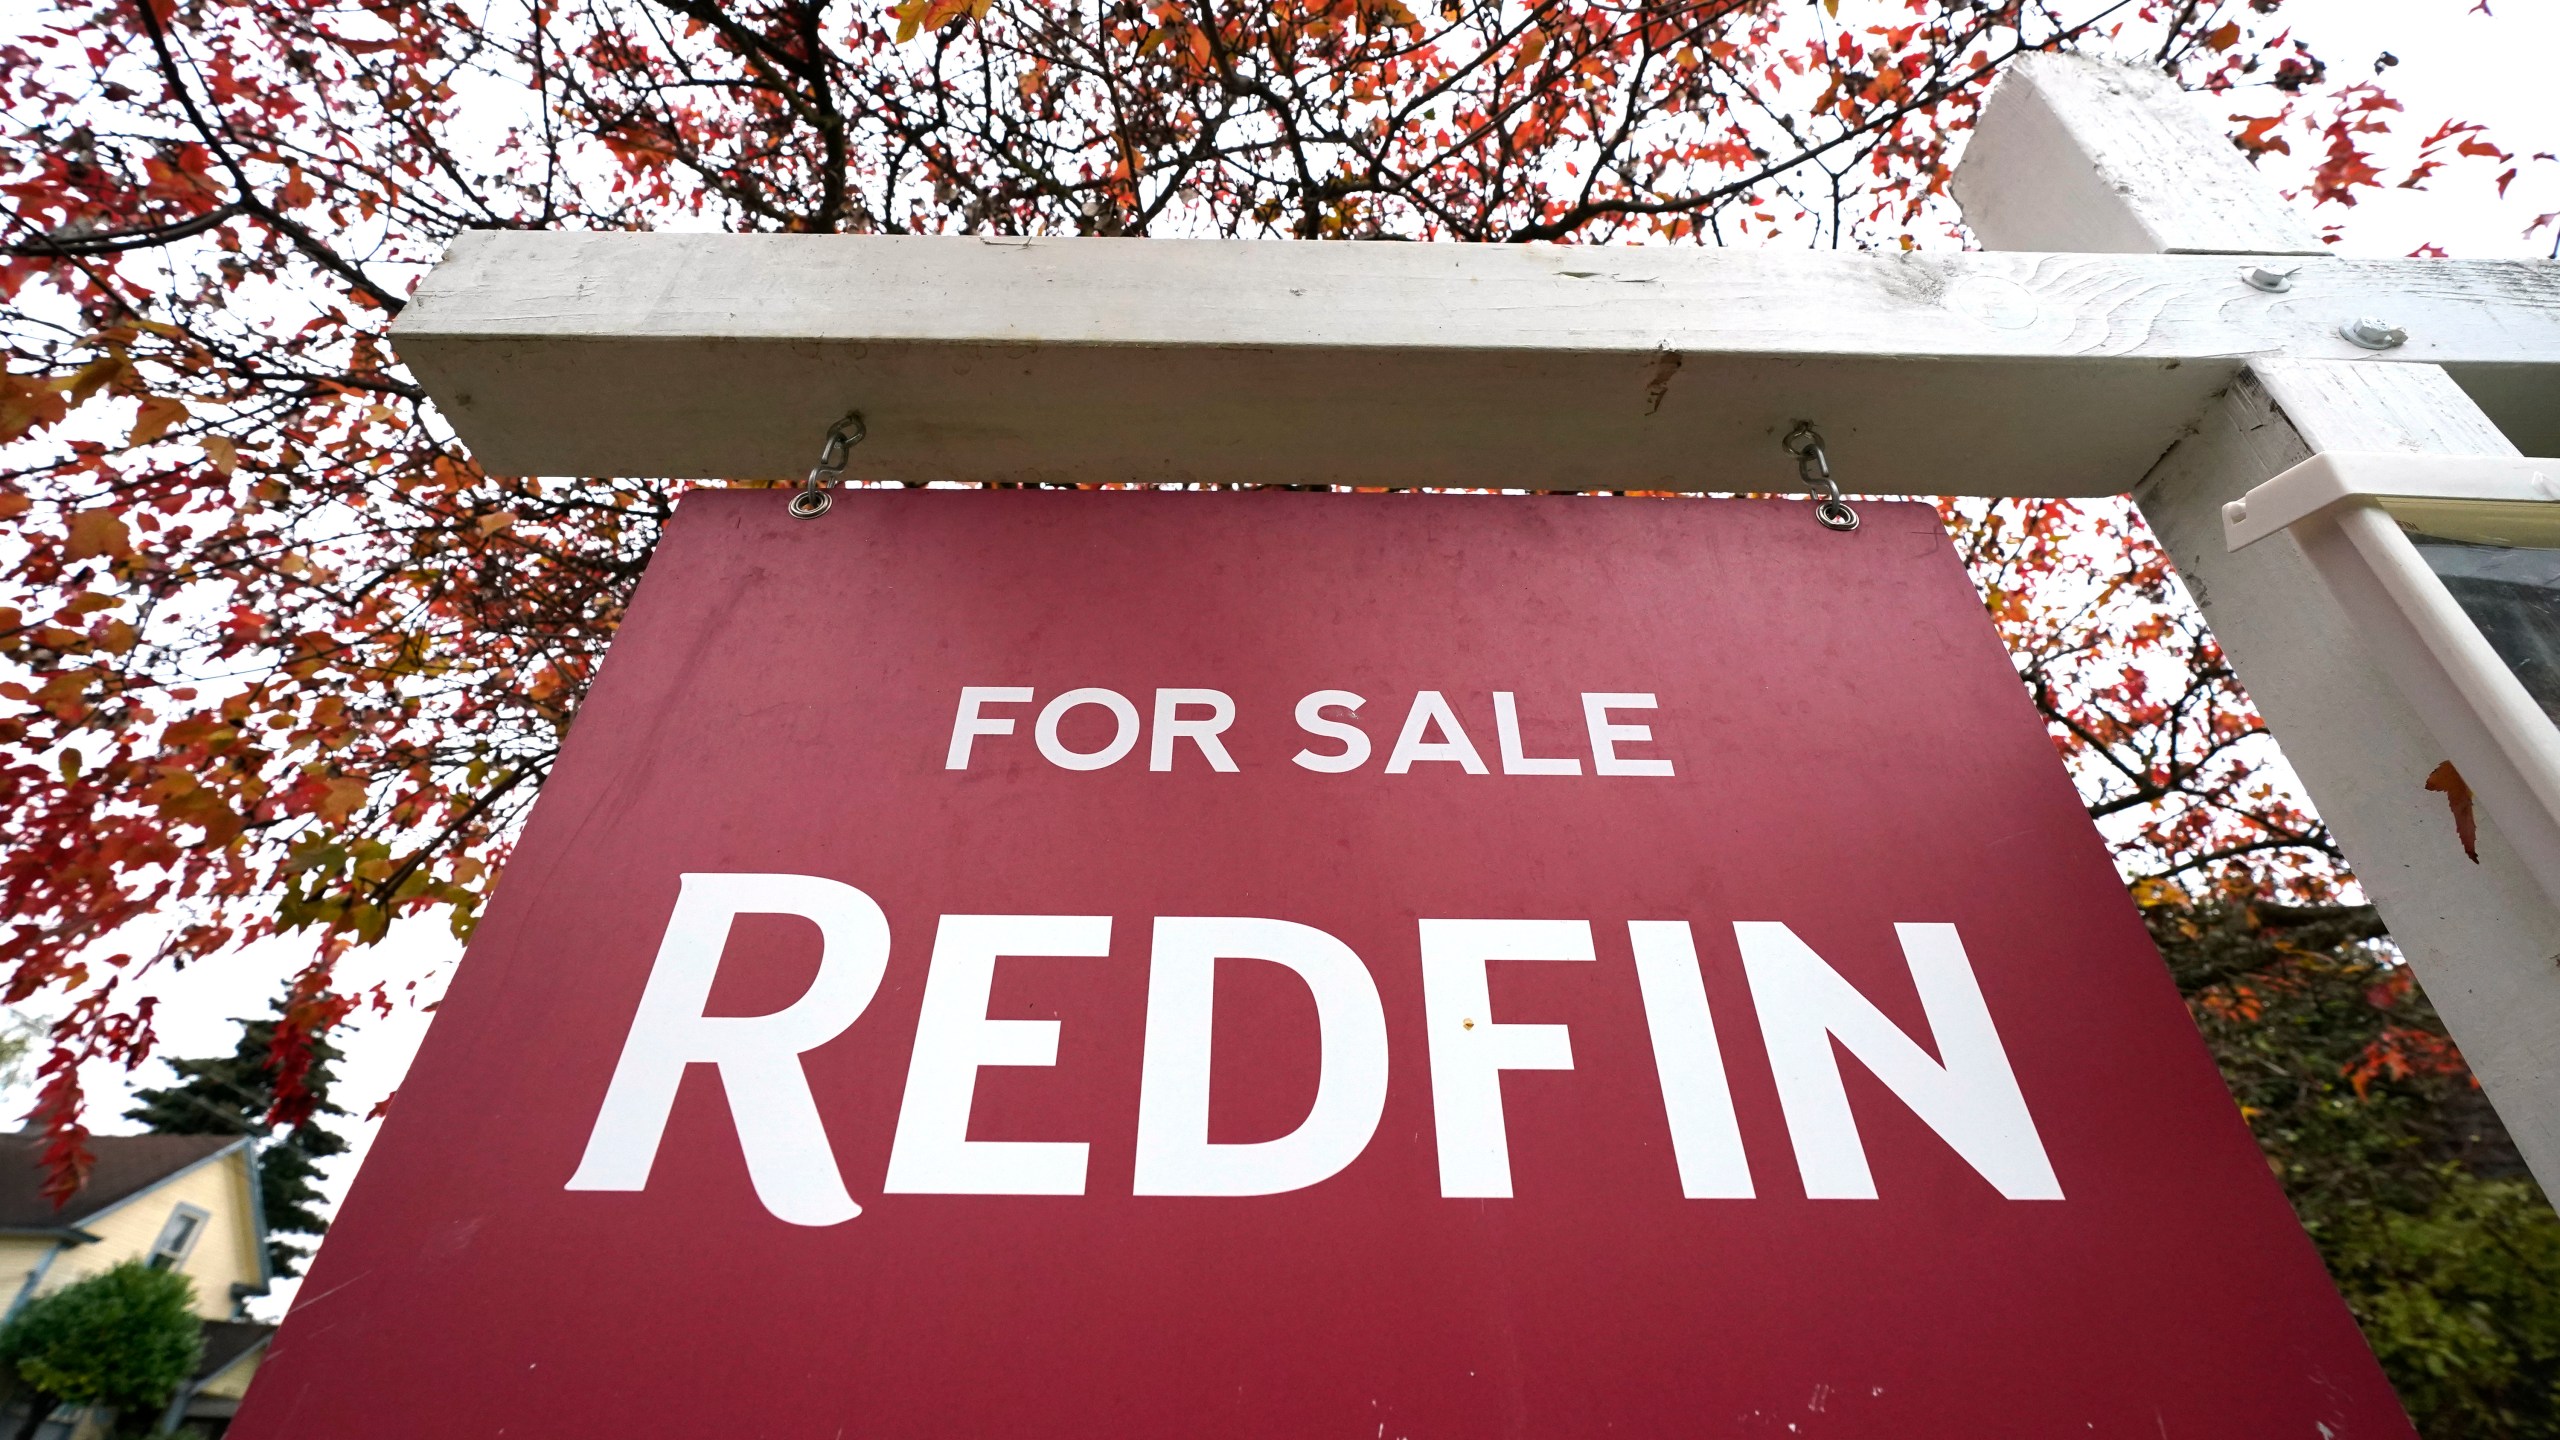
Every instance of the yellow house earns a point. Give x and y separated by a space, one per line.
187 1203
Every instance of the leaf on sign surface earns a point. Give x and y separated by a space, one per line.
2448 782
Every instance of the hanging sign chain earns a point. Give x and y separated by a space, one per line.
810 500
1805 443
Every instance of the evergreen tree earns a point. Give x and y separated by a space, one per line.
232 1095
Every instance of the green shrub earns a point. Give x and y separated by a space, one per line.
126 1338
2462 1302
2439 1241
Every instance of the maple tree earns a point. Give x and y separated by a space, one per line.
279 656
2171 757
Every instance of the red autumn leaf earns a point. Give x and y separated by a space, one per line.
310 1011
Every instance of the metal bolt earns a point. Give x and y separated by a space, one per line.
2269 278
2374 334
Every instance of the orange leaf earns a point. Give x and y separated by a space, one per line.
28 404
343 796
158 413
2257 134
2448 782
97 532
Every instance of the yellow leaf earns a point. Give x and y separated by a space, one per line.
106 370
158 413
343 796
1832 8
224 455
97 532
496 520
27 403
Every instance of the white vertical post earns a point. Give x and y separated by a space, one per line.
2075 154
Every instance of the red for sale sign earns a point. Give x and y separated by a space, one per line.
1286 965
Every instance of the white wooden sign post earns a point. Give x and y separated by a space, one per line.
2152 320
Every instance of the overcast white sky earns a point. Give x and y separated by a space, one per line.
2455 63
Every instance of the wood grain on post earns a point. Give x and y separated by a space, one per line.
1372 363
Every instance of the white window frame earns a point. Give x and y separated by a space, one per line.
171 1250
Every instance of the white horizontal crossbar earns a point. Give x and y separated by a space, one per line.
1394 364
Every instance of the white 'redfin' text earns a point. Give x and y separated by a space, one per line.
1955 1078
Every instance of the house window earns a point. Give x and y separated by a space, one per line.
186 1225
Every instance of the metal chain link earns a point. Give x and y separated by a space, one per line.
1813 466
811 500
